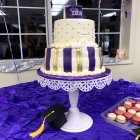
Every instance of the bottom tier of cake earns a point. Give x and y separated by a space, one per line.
78 61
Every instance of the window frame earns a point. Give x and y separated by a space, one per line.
20 34
48 20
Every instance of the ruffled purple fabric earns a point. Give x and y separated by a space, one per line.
21 105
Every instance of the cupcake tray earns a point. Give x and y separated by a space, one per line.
128 125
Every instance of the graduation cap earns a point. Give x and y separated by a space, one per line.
54 116
137 132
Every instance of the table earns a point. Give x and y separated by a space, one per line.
20 108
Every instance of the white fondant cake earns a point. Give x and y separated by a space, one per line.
73 51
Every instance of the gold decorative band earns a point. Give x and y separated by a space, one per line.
100 57
55 61
79 59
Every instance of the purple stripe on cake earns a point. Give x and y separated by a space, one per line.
91 56
67 62
48 58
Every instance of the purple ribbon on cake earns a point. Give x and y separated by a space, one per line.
74 12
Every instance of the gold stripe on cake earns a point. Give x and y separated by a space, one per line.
100 56
79 59
55 61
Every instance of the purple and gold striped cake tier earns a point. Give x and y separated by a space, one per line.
73 60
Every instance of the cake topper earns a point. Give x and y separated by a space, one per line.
73 12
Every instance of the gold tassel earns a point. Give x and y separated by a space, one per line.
39 131
79 59
41 128
55 61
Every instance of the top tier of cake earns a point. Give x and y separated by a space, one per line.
71 32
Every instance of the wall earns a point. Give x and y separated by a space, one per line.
130 72
7 79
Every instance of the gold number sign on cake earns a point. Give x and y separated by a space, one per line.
79 59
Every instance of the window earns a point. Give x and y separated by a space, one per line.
26 29
29 33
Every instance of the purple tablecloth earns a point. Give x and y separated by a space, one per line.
20 108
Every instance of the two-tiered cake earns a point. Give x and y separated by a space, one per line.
74 51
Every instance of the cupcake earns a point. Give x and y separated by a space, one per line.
138 114
111 116
128 115
132 111
127 106
118 112
127 103
136 120
132 101
122 108
137 105
135 108
120 119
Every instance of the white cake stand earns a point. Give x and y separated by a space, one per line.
76 120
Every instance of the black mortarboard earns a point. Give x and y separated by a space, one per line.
54 116
57 119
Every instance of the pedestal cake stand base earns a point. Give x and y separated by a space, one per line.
76 120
